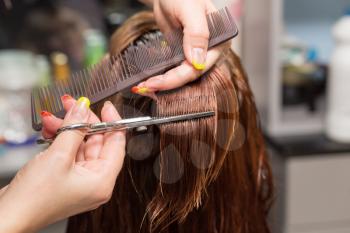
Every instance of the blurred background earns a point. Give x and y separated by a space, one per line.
296 54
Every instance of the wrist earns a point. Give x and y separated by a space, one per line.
12 220
7 227
11 224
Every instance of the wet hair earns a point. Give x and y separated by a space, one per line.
205 175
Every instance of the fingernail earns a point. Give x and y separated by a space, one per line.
108 103
134 90
83 101
139 90
66 97
45 114
81 108
164 43
198 58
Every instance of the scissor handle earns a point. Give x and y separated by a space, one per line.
99 127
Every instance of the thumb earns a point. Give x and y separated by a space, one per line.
68 142
114 142
196 35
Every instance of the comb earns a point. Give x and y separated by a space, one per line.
150 55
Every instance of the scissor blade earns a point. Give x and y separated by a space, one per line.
186 117
138 122
170 119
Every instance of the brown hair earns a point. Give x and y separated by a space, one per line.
207 175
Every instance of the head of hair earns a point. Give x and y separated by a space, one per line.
204 175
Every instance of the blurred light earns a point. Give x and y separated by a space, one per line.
8 4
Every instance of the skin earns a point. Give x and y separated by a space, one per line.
67 178
73 176
191 15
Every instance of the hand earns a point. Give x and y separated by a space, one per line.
191 15
70 177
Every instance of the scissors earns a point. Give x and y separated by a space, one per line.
125 124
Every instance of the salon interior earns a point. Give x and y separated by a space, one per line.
297 57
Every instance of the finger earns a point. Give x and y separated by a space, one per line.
80 155
93 147
114 143
67 143
143 90
165 24
178 76
196 33
173 78
68 101
50 124
210 7
94 143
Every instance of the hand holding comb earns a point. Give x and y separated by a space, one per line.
150 56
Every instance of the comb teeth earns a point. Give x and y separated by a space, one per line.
149 56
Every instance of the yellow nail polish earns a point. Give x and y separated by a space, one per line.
84 100
143 90
164 43
198 66
198 58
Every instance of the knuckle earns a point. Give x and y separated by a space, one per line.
77 133
198 33
103 197
194 74
71 135
103 194
95 139
94 207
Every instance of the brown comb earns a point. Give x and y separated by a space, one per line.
149 56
